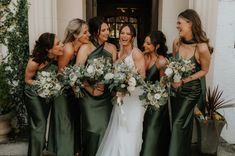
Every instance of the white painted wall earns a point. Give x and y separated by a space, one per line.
52 16
67 10
168 12
207 10
42 18
224 67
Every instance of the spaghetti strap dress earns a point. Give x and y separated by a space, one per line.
187 96
156 125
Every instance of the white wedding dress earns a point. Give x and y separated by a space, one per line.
123 136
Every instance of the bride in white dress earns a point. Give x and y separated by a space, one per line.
123 136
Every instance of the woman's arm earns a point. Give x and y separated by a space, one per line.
139 62
175 47
83 54
204 60
30 71
64 59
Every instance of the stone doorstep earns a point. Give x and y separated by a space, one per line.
20 149
14 149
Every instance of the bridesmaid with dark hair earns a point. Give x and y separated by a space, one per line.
45 52
192 45
156 126
96 103
66 111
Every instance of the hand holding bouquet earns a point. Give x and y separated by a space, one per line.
47 85
154 95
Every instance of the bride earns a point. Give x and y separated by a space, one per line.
123 136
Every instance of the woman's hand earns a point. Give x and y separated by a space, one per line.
98 90
178 84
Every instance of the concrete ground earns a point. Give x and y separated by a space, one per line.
20 149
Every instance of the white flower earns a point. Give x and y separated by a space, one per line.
45 74
187 61
90 69
131 88
123 85
177 77
157 96
108 76
183 69
168 72
57 86
132 81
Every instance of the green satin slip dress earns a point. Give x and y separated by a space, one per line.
95 112
183 105
156 126
38 109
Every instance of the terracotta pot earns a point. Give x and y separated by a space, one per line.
5 126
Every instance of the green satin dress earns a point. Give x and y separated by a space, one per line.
156 126
183 105
64 114
95 112
38 109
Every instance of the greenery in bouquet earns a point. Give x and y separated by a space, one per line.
98 70
73 76
47 85
178 69
154 94
125 78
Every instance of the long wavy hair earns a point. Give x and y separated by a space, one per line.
73 29
158 38
44 43
199 34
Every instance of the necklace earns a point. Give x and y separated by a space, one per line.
191 41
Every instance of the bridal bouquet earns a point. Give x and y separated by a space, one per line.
154 95
73 76
47 85
98 70
124 80
178 69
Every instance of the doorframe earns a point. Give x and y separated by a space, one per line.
91 11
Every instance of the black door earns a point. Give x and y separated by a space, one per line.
119 12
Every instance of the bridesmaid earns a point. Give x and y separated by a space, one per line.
96 104
156 126
192 45
66 135
46 50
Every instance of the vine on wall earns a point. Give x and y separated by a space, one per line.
14 35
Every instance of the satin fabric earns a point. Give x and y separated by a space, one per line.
183 105
38 109
156 126
95 112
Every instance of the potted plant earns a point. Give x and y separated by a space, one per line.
6 106
210 124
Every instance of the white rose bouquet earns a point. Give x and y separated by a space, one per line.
74 76
154 95
178 69
124 81
99 70
46 84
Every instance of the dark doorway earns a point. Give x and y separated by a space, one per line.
143 14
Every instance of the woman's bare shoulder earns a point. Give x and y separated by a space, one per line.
110 47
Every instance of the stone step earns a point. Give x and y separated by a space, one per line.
14 149
20 149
